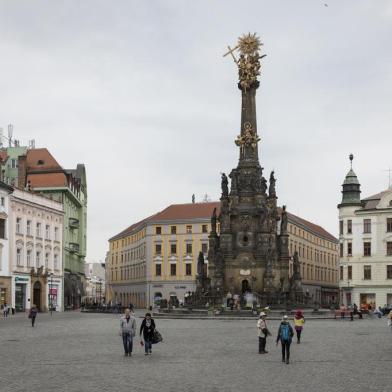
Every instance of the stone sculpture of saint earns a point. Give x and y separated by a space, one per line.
283 223
272 182
214 218
225 185
200 265
296 267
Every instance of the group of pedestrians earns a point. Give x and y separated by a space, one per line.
147 332
285 333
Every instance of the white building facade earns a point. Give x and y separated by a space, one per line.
5 272
36 243
365 241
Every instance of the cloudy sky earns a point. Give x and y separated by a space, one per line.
140 93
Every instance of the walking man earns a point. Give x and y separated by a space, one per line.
285 335
127 331
33 314
262 333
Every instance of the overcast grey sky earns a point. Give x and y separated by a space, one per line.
140 93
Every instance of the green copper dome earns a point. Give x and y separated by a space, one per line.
351 178
351 189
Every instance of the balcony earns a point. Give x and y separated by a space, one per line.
73 247
74 223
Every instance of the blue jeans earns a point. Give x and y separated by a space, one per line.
147 346
127 342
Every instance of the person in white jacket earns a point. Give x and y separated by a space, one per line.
128 331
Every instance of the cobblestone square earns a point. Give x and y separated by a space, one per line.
83 352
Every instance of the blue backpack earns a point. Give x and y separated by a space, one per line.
285 332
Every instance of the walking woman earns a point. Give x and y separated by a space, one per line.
299 322
147 329
285 335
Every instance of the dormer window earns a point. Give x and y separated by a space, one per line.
390 203
40 162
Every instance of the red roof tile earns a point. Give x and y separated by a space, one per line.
47 180
41 159
3 156
204 211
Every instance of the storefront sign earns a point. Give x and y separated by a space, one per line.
20 279
53 291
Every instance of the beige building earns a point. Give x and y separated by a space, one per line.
36 242
156 258
318 255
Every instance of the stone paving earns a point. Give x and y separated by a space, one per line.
83 352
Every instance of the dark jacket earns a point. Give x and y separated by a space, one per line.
148 332
291 332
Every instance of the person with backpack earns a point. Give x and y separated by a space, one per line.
299 322
262 333
128 331
147 329
285 335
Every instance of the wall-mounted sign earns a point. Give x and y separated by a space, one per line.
20 279
245 272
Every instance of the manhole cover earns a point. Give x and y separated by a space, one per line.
12 340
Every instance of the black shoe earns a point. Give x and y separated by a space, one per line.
287 362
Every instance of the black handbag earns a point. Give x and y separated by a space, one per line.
156 337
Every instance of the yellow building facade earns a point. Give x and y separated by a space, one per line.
156 258
318 254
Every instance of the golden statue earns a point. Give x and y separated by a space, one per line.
249 60
248 138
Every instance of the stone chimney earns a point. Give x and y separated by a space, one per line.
22 171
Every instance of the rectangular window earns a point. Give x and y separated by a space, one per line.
18 227
28 257
46 260
367 226
389 271
28 227
188 249
173 229
158 249
18 256
56 262
189 229
204 247
349 249
367 248
341 227
350 272
158 230
341 250
14 163
38 231
367 272
389 225
2 228
188 269
349 226
173 249
38 260
47 232
173 269
56 233
341 272
2 201
204 228
389 248
158 269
